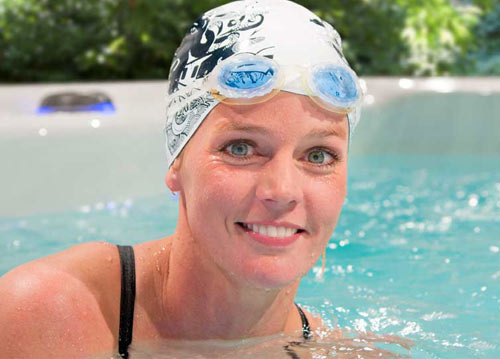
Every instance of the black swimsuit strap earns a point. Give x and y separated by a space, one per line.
127 299
306 328
306 334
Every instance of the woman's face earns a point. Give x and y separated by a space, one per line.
285 161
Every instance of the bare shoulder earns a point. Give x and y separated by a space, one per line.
61 305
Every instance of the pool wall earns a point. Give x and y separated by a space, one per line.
66 160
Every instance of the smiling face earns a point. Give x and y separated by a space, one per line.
282 162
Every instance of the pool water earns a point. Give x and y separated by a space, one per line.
416 254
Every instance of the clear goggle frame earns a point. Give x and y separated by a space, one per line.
249 79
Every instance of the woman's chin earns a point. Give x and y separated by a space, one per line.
272 283
272 275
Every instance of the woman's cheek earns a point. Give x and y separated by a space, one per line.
328 203
227 185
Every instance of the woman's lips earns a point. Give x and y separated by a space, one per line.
270 241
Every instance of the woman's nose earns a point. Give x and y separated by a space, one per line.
280 185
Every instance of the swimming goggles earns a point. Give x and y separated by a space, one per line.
249 79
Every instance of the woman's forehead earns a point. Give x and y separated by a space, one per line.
285 111
335 129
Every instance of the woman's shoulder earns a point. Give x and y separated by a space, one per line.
86 266
69 297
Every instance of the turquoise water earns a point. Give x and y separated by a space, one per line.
416 253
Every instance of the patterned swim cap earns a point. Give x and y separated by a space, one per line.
277 29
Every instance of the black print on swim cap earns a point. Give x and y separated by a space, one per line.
210 40
317 22
186 118
335 40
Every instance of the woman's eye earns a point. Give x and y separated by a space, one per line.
238 149
320 156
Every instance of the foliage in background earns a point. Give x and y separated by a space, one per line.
437 35
485 59
45 40
75 40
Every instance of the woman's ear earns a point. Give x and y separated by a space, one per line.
172 178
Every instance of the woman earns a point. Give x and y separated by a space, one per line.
261 106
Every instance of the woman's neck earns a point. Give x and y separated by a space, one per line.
200 301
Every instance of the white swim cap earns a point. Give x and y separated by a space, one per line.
280 30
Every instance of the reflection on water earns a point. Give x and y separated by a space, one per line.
336 344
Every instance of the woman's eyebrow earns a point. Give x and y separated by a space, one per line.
235 126
336 132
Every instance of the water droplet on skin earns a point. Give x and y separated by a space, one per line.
158 268
162 248
109 259
141 258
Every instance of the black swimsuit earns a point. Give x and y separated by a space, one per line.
128 298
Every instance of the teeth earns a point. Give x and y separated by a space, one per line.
271 231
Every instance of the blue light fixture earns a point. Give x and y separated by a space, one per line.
76 102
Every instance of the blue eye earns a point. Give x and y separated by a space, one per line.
320 157
316 156
238 149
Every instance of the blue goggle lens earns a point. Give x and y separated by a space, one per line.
252 75
336 84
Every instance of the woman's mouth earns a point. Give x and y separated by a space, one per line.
274 236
